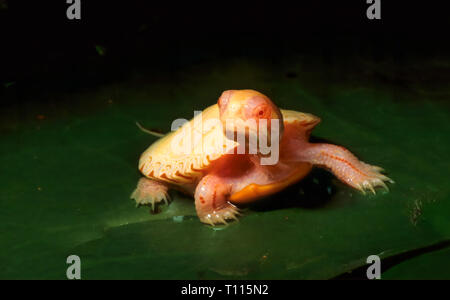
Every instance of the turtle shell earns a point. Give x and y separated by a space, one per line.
183 156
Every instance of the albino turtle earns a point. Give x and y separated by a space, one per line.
219 177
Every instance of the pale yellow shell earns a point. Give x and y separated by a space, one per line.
164 160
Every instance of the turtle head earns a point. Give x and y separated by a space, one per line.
249 113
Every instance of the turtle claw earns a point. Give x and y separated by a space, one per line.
222 220
382 184
235 218
150 193
372 178
385 178
209 221
166 198
377 169
366 186
379 182
229 212
369 186
359 187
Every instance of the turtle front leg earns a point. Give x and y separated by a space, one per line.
345 166
150 192
211 201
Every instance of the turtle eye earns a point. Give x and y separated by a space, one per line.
257 108
262 112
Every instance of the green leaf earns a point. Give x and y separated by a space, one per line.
66 182
430 266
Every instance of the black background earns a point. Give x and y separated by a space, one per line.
39 43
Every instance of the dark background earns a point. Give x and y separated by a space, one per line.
41 45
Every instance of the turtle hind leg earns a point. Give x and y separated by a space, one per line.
211 201
150 192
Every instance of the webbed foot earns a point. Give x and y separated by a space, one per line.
211 201
150 192
221 216
370 177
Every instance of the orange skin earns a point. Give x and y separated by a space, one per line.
236 179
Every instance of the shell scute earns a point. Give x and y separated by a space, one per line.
168 160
